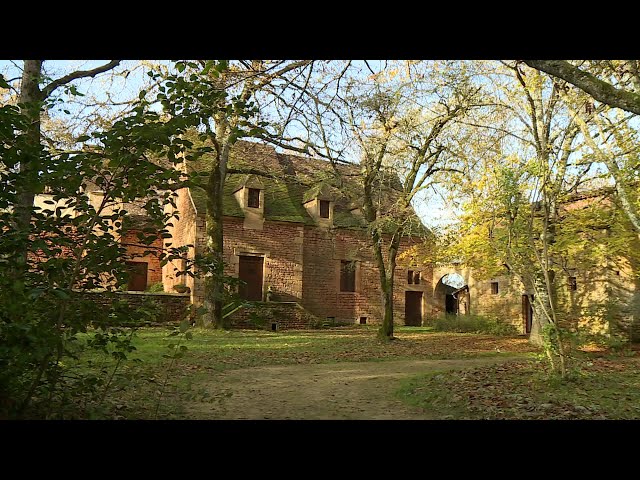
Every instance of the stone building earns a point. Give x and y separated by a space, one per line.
293 234
601 297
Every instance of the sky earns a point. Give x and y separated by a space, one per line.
429 205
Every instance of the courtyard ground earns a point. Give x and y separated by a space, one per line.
346 373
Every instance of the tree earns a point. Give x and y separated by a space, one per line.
72 244
218 98
514 213
619 95
399 122
32 97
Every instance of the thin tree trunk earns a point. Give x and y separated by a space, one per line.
541 311
213 301
29 99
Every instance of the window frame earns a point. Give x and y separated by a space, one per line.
249 197
328 205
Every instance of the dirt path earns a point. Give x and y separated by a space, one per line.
339 391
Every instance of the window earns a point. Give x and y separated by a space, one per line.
347 276
324 208
410 277
573 283
416 278
494 288
254 198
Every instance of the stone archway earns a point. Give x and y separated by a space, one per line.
451 293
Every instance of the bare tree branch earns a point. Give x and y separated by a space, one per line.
48 90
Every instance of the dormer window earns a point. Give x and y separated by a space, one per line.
254 198
324 208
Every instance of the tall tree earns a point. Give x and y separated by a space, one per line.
515 197
33 94
615 83
72 243
218 98
399 122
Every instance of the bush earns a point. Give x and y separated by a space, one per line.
473 324
156 288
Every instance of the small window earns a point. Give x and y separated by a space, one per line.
416 278
324 208
494 288
410 277
347 276
254 198
573 283
363 320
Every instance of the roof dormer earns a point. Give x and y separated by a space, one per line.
250 196
319 203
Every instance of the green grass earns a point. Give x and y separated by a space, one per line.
472 324
600 389
140 380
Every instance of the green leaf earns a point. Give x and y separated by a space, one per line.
184 326
60 294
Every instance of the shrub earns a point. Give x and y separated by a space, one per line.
156 288
473 324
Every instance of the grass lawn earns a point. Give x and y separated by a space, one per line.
148 380
148 385
599 388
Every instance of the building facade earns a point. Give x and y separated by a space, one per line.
293 239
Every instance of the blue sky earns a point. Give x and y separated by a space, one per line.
428 205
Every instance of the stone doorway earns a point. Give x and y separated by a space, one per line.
413 308
137 276
251 272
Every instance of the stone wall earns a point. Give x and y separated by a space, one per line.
172 307
280 243
324 250
273 316
302 264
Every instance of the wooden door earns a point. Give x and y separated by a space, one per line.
413 308
251 273
137 276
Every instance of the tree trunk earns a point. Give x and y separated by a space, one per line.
387 280
541 311
30 103
386 329
213 300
